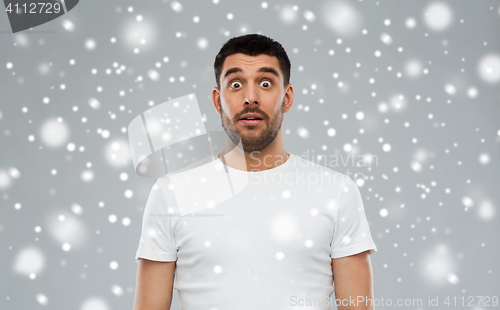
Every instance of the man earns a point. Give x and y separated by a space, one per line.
285 238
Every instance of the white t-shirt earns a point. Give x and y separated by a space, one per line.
269 246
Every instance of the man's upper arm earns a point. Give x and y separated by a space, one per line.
351 230
353 280
157 240
154 287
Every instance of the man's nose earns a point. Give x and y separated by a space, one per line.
251 96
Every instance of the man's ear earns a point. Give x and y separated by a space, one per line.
216 99
288 98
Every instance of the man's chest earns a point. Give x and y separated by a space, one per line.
275 236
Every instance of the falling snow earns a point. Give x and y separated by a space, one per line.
405 97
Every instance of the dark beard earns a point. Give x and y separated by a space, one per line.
254 143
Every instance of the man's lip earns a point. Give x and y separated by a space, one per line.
255 115
252 122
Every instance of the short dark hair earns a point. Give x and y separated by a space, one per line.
253 45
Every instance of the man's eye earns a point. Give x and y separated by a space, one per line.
233 83
268 84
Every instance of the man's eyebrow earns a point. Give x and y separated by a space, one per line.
263 69
270 70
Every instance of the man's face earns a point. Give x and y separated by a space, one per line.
248 88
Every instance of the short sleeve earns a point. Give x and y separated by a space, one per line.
157 237
351 231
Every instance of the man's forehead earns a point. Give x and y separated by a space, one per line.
243 61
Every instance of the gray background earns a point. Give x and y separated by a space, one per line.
444 243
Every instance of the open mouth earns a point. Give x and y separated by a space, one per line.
251 121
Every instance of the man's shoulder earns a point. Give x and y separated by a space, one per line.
164 189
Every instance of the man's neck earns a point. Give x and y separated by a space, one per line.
254 161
